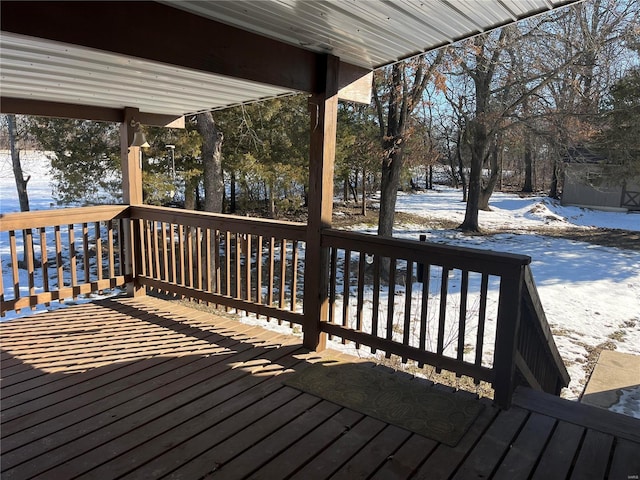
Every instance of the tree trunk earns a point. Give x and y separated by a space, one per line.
487 191
21 182
553 190
232 194
389 192
461 174
364 192
212 139
528 165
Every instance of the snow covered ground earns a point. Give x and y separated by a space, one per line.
590 293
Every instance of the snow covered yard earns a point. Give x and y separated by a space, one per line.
590 293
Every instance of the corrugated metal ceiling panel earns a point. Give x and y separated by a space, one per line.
52 71
364 32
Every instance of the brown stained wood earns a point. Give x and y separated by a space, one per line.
494 444
333 281
218 274
579 413
156 250
247 268
372 456
283 274
424 307
199 258
62 216
216 445
189 253
408 296
245 463
558 456
99 260
29 255
462 319
165 252
181 256
85 251
208 267
390 304
222 222
59 262
44 259
308 447
238 270
272 250
526 449
346 290
188 420
227 261
482 317
626 460
294 276
406 459
329 460
127 387
375 315
110 249
14 265
174 259
360 300
442 316
593 459
259 260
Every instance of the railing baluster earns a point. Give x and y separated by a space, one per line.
462 320
45 261
207 266
165 252
408 295
391 301
248 265
424 307
271 273
360 301
283 273
444 289
482 316
181 254
189 233
294 277
98 250
259 296
333 281
72 256
59 262
227 265
199 238
29 254
85 252
346 290
375 314
112 269
14 265
216 254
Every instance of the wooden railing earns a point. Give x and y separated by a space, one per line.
457 309
247 264
473 312
82 247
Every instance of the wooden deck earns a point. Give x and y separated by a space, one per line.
142 388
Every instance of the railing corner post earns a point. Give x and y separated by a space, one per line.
508 323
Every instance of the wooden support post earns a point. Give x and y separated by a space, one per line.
508 324
323 110
131 161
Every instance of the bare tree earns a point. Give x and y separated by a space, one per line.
397 93
21 182
212 139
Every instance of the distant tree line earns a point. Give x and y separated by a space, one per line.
499 110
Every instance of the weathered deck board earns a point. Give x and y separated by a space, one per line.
143 388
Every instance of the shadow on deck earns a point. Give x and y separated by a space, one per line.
143 388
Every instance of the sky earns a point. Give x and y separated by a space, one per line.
590 293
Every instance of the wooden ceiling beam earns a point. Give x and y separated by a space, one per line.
41 108
157 32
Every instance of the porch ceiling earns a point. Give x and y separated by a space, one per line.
178 57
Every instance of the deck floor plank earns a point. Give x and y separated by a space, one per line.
144 388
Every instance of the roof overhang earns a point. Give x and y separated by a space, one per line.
180 57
